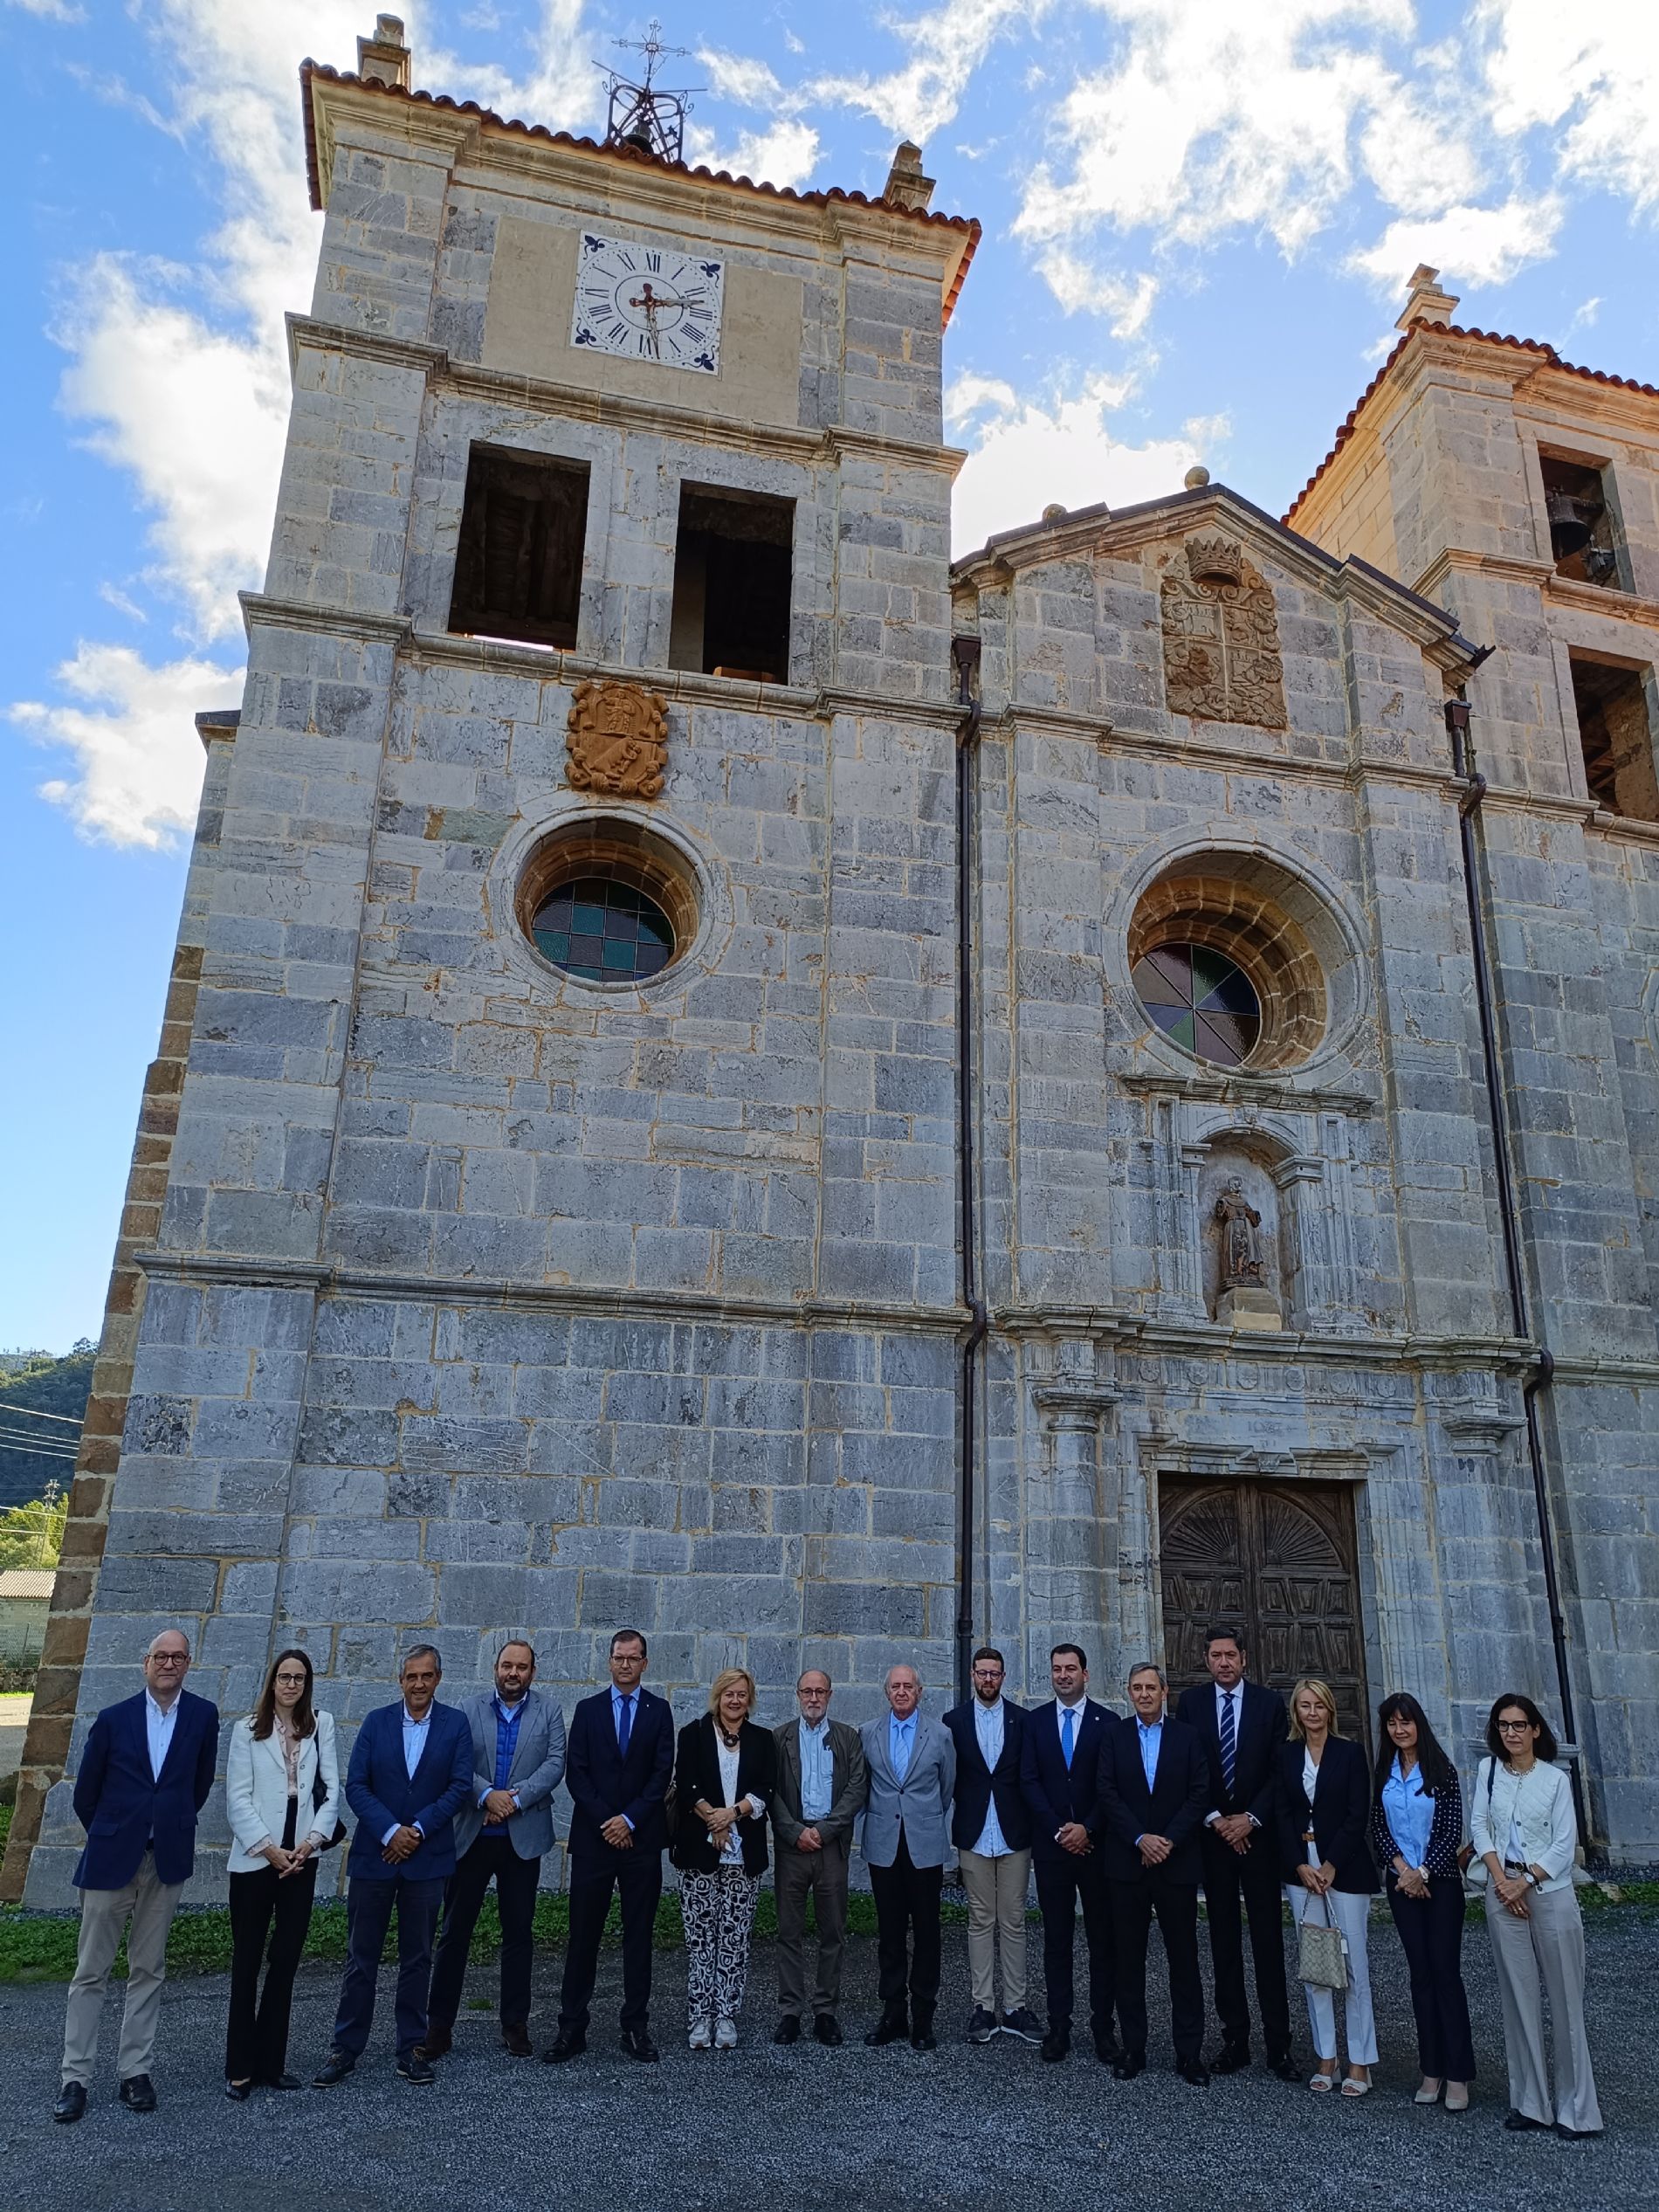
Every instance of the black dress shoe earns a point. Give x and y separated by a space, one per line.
333 2069
921 2034
1131 2062
280 2081
1234 2059
414 2066
1107 2047
569 2043
788 2030
638 2044
71 2103
515 2041
1518 2123
1197 2074
138 2093
1285 2066
437 2042
1056 2044
1576 2134
827 2029
238 2091
892 2027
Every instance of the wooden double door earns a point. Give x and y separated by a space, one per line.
1277 1560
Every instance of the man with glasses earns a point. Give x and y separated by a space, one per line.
991 1829
144 1777
821 1788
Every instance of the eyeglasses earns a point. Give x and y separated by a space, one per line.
291 1682
1513 1727
170 1658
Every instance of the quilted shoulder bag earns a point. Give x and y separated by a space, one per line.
1322 1951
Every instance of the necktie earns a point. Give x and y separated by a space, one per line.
1229 1745
624 1726
1068 1733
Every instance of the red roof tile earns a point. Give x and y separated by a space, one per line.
1548 358
309 69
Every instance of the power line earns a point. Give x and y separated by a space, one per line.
38 1451
33 1413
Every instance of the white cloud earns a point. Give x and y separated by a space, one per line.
1586 312
1545 64
52 10
139 759
1483 245
1126 302
947 47
1025 455
785 154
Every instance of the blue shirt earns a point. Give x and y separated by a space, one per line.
1151 1739
817 1773
989 1729
617 1701
508 1720
901 1742
1410 1813
415 1736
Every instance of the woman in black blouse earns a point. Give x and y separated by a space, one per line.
1417 1827
723 1781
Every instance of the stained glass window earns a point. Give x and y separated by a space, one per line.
1201 1000
603 931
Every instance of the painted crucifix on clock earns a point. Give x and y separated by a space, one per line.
648 303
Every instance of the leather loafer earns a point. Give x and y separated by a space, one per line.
515 2041
1056 2044
1285 2068
638 2044
1576 2134
1107 2050
437 2042
1131 2062
788 2030
1519 2124
827 2029
238 2091
888 2030
1235 2061
71 2103
333 2069
138 2093
924 2039
1197 2075
569 2043
281 2081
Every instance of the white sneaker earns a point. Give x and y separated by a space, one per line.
726 2036
702 2034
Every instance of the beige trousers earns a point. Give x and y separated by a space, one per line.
996 1890
104 1915
1548 1946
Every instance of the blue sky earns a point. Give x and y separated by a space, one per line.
1199 219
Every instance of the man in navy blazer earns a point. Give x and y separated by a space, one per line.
1059 1765
1242 1725
1153 1784
411 1769
991 1829
617 1767
145 1774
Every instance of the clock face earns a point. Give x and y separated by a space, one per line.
648 303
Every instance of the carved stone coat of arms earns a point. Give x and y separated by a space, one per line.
1221 660
617 740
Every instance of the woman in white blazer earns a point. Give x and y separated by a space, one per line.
282 1790
1524 1832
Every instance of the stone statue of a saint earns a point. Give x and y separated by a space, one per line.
1242 1262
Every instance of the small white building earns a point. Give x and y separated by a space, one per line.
25 1599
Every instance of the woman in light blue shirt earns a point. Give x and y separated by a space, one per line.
1416 1828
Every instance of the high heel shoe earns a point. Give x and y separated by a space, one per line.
1460 2103
1427 2096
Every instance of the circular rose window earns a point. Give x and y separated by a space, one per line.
603 930
1201 1001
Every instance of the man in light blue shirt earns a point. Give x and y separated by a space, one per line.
991 1829
821 1780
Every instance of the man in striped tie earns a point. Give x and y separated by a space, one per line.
1241 1724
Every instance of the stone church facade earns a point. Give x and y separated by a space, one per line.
726 1076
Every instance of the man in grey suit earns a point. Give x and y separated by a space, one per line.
912 1776
818 1794
501 1834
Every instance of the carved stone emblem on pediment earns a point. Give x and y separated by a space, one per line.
617 740
1221 660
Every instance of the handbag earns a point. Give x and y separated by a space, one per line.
318 1799
1322 1952
1477 1870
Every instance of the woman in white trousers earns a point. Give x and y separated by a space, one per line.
1521 1819
1324 1798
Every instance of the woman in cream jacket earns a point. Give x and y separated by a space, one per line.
1522 1822
282 1791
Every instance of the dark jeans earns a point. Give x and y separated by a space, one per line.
1431 1930
369 1911
1060 1883
1233 1888
264 1903
1175 1903
490 1857
637 1876
907 1901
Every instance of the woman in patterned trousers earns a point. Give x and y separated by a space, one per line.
723 1782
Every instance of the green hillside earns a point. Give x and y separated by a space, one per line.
33 1453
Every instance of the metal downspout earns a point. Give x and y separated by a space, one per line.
1543 1371
965 651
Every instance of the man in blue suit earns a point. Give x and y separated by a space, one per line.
621 1757
411 1768
1059 1765
144 1776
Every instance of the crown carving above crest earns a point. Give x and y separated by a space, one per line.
1213 559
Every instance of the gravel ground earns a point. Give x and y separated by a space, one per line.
989 2127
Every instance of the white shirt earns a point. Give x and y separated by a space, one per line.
159 1722
988 1728
732 1850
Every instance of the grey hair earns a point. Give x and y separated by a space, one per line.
905 1664
420 1652
150 1647
805 1671
1147 1666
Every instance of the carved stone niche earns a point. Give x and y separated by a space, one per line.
1221 660
1246 1273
